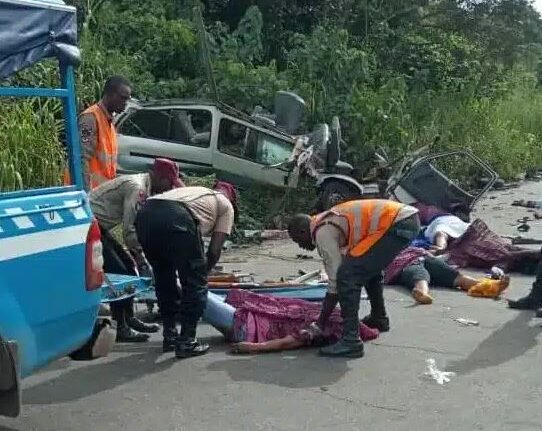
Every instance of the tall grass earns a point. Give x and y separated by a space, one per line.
504 130
31 153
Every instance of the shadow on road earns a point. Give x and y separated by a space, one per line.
510 341
290 370
82 382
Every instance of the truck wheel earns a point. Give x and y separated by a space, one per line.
336 192
7 368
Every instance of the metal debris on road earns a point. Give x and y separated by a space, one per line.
437 375
467 322
517 240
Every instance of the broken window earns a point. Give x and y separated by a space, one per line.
251 144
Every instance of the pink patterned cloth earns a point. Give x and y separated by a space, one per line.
260 318
401 261
479 247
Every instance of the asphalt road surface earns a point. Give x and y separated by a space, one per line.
498 385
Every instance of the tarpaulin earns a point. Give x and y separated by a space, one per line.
31 30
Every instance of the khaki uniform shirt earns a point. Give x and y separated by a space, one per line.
211 209
331 242
118 201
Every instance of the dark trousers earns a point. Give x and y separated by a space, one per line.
366 270
172 243
537 284
118 261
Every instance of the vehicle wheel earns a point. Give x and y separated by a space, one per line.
336 192
7 369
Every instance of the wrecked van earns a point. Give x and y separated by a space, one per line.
272 149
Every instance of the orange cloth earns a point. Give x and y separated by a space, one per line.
488 288
102 166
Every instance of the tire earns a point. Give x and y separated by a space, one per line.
335 192
7 369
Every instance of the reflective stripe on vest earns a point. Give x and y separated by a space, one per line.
368 221
102 166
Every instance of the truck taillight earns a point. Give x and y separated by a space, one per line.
94 258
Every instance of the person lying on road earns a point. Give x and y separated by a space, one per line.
417 269
259 323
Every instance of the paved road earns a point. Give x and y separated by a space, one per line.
498 385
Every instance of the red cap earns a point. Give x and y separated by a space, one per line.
228 190
168 169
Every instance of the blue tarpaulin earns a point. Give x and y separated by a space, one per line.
31 30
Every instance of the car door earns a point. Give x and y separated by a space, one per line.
179 134
447 180
245 153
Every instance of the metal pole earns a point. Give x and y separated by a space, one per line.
206 58
70 122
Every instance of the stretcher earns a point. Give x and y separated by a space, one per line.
118 287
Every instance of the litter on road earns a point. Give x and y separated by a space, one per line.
467 322
437 375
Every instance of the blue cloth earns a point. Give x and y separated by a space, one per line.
421 241
218 314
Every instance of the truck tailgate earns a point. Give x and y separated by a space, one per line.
44 304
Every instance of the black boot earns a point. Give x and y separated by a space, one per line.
125 334
378 318
138 325
350 345
380 323
532 301
170 335
187 344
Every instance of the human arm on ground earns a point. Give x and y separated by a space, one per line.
286 343
89 143
440 243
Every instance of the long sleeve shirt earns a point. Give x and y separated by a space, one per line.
117 202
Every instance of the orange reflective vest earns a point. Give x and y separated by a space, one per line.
368 221
102 166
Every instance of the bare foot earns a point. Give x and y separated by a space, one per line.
422 298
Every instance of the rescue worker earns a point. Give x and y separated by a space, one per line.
357 241
533 300
170 227
115 203
98 136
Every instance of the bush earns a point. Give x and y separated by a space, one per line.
31 155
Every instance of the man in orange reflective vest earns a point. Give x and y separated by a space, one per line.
356 240
98 136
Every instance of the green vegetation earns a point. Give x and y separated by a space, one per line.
398 73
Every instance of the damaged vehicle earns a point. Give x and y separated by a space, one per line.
272 149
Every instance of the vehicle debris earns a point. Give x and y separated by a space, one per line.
527 204
467 322
517 240
267 234
523 224
439 376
